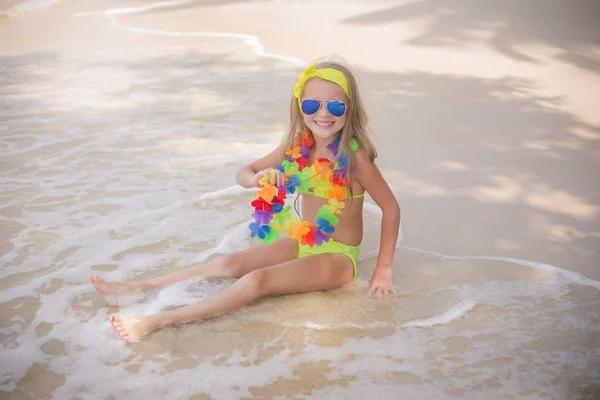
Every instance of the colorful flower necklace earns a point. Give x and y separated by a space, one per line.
271 215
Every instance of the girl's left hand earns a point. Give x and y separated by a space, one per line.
382 281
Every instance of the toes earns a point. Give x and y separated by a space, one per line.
118 327
115 323
121 332
112 324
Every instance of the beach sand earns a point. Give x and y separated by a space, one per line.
485 116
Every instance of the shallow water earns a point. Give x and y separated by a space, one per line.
120 161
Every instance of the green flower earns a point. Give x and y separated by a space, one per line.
325 213
283 216
271 237
290 167
305 181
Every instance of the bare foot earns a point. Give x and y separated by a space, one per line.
131 328
118 287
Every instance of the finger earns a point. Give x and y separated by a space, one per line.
272 177
386 292
265 174
280 179
262 180
393 290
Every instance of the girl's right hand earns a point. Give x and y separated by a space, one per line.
272 177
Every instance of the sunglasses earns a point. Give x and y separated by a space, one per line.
335 107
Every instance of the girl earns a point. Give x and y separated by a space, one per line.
329 158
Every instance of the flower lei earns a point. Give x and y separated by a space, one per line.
271 215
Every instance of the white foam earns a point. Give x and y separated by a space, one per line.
250 40
26 7
319 326
445 318
162 216
139 9
565 274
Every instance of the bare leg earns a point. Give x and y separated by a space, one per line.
227 266
319 272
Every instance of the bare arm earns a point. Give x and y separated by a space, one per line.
248 175
370 178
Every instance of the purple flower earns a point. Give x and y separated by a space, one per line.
304 150
262 217
333 146
320 237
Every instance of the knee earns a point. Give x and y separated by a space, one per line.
256 282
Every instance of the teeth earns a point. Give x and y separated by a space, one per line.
324 124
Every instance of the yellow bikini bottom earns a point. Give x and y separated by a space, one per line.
333 247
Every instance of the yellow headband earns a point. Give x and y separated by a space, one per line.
329 74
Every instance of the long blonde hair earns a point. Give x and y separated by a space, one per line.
356 126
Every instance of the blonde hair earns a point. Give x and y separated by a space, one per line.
356 126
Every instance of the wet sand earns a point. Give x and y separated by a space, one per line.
485 116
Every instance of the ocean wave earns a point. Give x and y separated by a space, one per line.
15 9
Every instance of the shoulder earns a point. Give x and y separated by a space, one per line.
362 157
365 168
363 150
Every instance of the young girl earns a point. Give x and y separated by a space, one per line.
328 157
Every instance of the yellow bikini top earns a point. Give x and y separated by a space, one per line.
324 193
321 179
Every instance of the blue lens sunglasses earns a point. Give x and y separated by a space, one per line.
335 107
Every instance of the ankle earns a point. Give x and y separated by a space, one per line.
164 319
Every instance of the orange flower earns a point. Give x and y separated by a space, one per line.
299 230
322 170
267 193
337 192
295 152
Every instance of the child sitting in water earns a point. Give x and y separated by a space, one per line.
328 157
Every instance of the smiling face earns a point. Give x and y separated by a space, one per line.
322 124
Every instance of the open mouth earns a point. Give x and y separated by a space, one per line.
322 124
